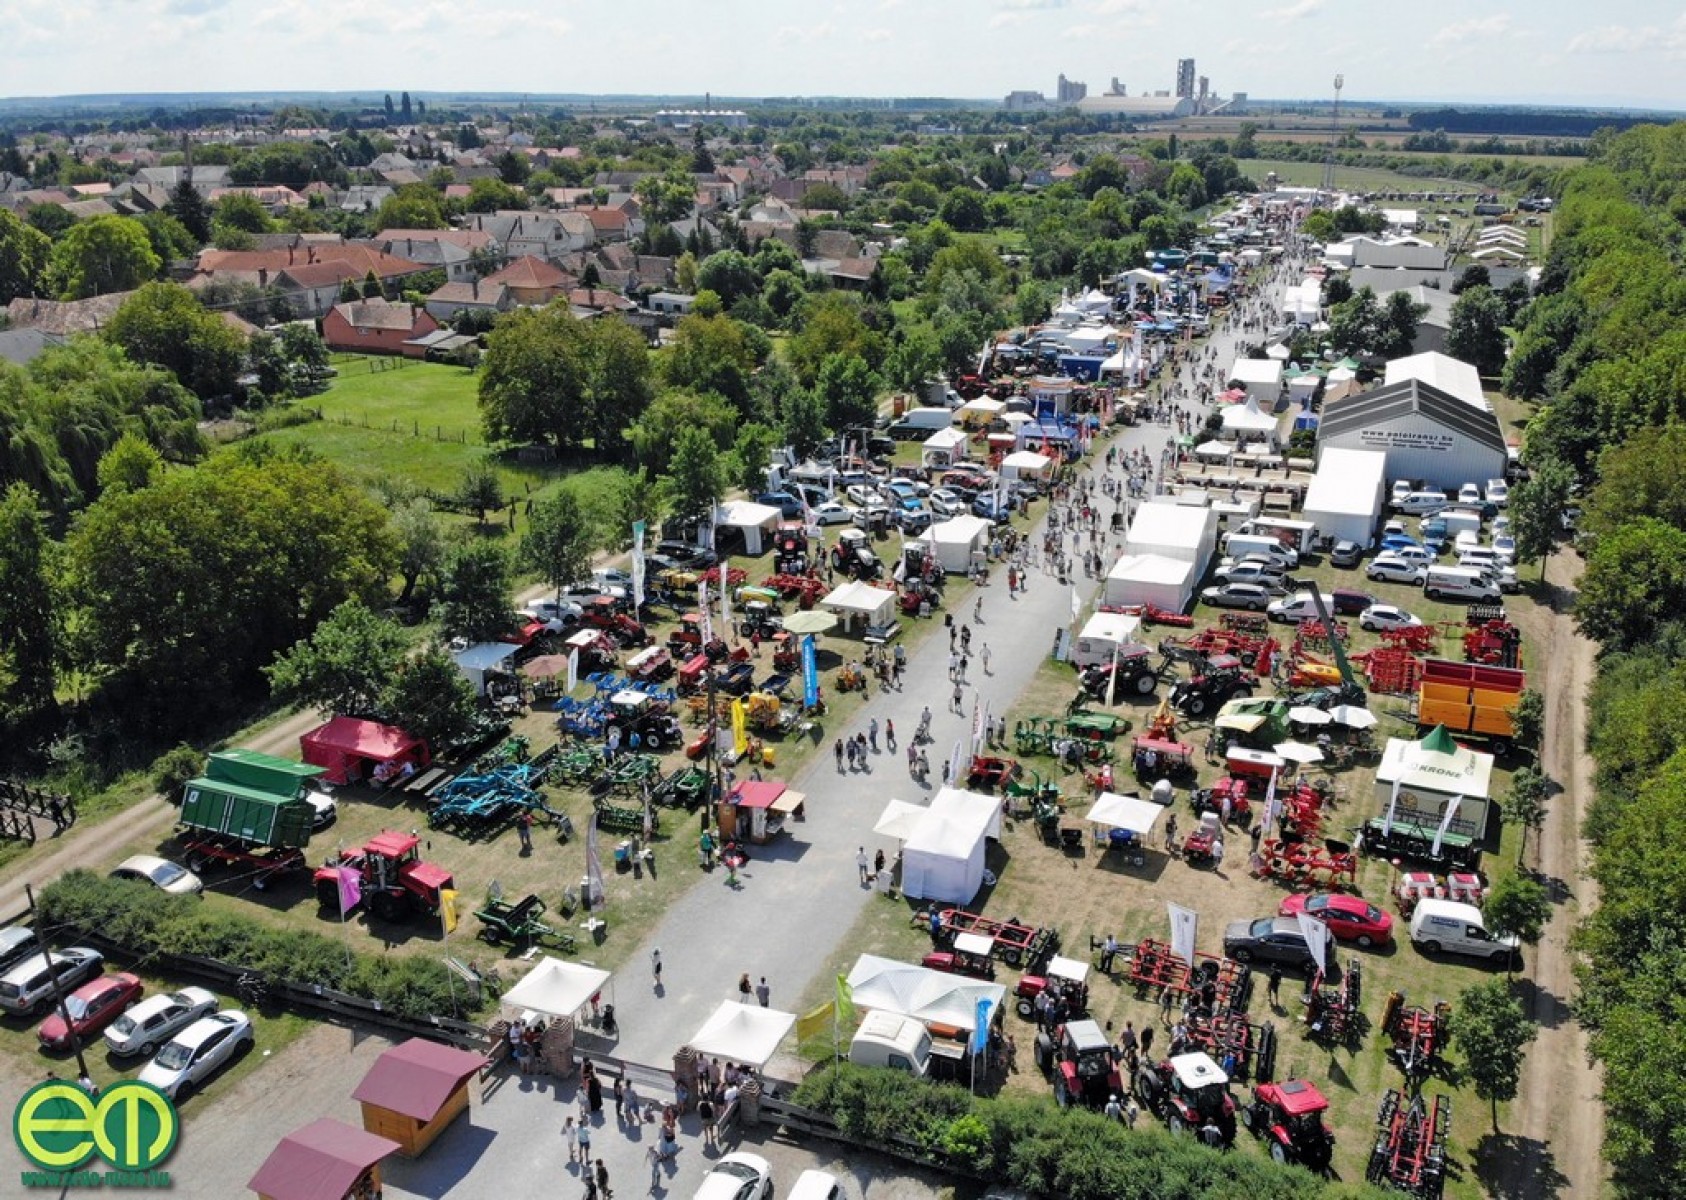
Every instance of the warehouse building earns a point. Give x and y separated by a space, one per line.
1426 433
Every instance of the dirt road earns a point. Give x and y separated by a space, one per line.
86 846
1558 1118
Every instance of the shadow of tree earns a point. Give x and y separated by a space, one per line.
1545 1006
1512 1167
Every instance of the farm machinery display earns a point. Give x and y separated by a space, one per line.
1418 1035
498 787
1289 1116
1133 674
1078 1056
1219 680
1423 843
387 875
1154 966
1190 1093
1019 946
1065 981
248 810
1335 1014
1471 700
1410 1149
1302 865
519 924
1464 887
1243 1049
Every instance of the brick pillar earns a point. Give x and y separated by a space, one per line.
685 1062
557 1046
749 1102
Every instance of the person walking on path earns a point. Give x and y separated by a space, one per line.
603 1181
872 734
984 655
583 1137
861 862
705 1114
838 749
524 831
654 1158
744 989
889 735
763 993
656 965
620 1102
956 700
568 1137
1273 991
977 610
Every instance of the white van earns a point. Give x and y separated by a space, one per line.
1456 928
1420 503
1460 520
1241 545
920 423
1468 583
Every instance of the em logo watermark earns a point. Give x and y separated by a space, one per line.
132 1127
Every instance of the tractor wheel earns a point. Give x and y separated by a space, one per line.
1279 1152
1195 706
1145 685
1044 1052
1026 1008
1177 1124
1012 957
1250 1118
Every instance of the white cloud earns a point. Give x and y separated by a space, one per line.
1474 29
791 35
876 35
1613 39
1295 11
1080 32
1030 5
1107 8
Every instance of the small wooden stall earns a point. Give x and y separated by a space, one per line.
415 1090
325 1160
757 810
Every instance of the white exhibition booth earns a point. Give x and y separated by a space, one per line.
743 1033
484 659
930 997
1141 579
959 543
944 448
757 522
1102 636
554 988
1172 530
856 600
1347 493
944 844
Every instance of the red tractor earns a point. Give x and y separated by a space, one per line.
1079 1057
1066 980
604 612
969 954
1289 1115
1191 1094
392 879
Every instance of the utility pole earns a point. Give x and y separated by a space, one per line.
1334 139
54 963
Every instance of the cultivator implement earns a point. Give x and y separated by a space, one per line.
520 924
474 805
1418 1035
1019 946
1333 1014
575 765
1390 670
1410 1150
1156 967
1245 1050
630 773
687 788
1302 865
1494 643
624 818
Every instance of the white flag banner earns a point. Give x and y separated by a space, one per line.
593 866
1185 924
725 604
637 565
1446 822
1392 807
573 668
1316 935
707 616
1268 820
1112 679
977 726
1076 605
956 762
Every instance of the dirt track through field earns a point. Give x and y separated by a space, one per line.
1558 1119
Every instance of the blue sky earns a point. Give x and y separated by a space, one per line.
1626 52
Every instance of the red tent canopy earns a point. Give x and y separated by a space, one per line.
347 748
319 1162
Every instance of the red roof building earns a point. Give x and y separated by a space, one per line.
326 1160
377 327
415 1090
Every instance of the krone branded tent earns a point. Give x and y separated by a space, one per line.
1430 773
943 857
743 1033
931 997
958 542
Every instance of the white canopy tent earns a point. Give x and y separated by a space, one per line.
1346 494
1154 579
1129 813
931 997
943 857
555 988
1026 464
958 542
1215 449
943 448
899 820
1171 530
1248 418
744 1033
875 606
483 659
755 521
1102 636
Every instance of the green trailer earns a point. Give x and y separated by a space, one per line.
260 772
244 814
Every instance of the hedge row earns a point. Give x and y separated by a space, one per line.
145 921
1033 1145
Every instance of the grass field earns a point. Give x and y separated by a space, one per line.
1371 179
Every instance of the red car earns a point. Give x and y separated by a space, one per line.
1350 918
92 1007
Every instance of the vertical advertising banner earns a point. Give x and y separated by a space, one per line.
638 564
810 673
1185 925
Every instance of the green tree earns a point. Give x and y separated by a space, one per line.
849 390
1642 477
242 211
730 275
963 209
1355 324
1634 584
560 540
714 354
1529 718
493 195
656 435
1519 906
474 592
635 495
421 545
24 255
170 239
697 474
482 490
345 664
164 324
1187 186
913 360
782 291
804 421
412 206
533 379
1493 1031
619 386
429 698
1476 333
29 614
188 206
100 255
1536 510
130 465
830 323
1397 324
752 453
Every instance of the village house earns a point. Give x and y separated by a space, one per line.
377 327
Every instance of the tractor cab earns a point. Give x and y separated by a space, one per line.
1289 1115
1065 979
1084 1064
687 640
760 617
1190 1092
970 954
638 713
790 551
1220 679
853 555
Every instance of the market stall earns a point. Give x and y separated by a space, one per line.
481 661
944 448
325 1160
1027 466
1123 822
857 601
759 809
743 1033
939 1000
554 988
415 1090
943 856
351 750
959 543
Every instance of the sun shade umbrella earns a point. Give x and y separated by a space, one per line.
1304 714
1299 752
1354 717
812 621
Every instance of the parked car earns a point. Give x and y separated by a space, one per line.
1345 602
833 512
945 502
161 873
1421 503
1346 554
1394 570
151 1023
1251 596
198 1052
31 984
1498 492
561 613
1349 918
584 593
1469 494
687 555
17 942
789 506
910 516
1269 939
1505 547
991 508
1295 609
863 494
1379 617
91 1008
1250 570
739 1175
903 489
323 809
608 579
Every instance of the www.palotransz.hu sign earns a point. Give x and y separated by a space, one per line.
60 1129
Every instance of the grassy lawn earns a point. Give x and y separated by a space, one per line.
1310 174
401 394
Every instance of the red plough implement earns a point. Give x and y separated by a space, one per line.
1153 966
1410 1150
1418 1034
1154 615
1333 1014
1301 865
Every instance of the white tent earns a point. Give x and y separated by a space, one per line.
1215 449
483 659
756 521
1174 531
1025 464
1432 772
943 857
1129 813
1154 579
1346 495
743 1033
1104 635
1248 418
932 997
944 448
856 599
899 819
1279 352
555 988
1262 377
957 542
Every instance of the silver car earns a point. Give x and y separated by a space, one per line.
198 1052
154 1020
